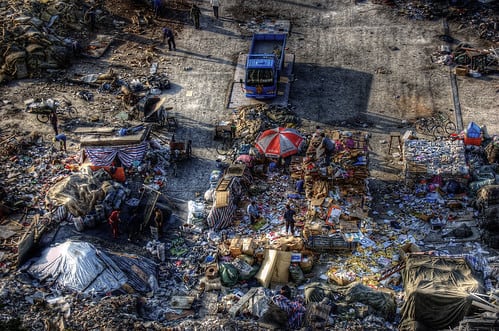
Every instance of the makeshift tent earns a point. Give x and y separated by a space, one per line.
437 292
227 195
127 145
81 267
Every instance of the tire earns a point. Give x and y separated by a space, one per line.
72 112
223 148
439 131
43 117
450 127
420 126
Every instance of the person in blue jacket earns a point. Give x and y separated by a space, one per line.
61 138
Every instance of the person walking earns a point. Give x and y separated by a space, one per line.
195 13
290 220
252 211
61 138
170 37
215 4
114 220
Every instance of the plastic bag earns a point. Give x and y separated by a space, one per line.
228 274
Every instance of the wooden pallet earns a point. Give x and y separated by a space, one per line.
223 184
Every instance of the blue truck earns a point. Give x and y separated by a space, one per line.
264 64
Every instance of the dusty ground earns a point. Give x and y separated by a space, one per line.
358 66
361 65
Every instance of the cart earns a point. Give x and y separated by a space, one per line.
180 151
44 108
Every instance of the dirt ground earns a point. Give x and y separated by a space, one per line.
358 66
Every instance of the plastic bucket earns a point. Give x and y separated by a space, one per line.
89 221
100 213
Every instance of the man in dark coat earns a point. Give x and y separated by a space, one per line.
195 13
169 36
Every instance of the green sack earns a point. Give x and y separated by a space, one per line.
228 274
296 274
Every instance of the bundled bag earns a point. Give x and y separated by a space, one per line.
296 274
229 274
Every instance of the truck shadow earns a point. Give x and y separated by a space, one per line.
331 94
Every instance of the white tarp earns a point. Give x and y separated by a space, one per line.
78 266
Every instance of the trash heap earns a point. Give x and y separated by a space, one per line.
30 167
250 120
37 37
248 256
445 158
477 17
336 191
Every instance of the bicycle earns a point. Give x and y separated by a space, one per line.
60 107
426 125
436 126
444 124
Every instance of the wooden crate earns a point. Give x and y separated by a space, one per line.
329 243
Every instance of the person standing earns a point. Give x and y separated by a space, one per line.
158 220
54 121
133 226
158 8
215 4
195 13
114 220
289 215
329 147
252 211
170 37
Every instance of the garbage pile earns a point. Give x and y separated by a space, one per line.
433 214
37 36
468 60
250 120
480 16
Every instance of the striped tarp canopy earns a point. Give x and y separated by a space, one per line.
127 154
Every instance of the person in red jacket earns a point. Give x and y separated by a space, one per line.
114 220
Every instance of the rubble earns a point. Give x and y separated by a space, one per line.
350 255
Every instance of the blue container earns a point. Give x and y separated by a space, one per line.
473 130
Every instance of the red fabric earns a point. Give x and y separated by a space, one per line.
113 220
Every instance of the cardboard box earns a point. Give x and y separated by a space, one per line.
461 71
236 247
248 246
408 248
281 270
264 275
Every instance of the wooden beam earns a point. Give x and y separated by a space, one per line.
234 310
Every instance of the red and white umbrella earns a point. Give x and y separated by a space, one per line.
279 142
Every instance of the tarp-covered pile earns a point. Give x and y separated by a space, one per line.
437 292
79 266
